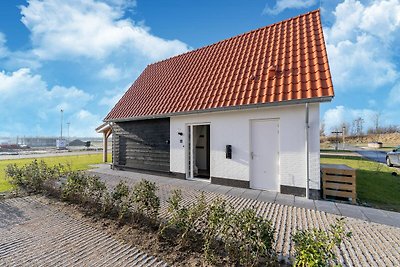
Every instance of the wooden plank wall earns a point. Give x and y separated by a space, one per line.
339 182
142 144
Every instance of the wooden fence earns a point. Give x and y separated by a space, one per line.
338 181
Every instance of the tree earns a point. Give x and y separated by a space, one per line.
322 128
376 119
357 126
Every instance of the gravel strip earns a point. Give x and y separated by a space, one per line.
372 244
36 233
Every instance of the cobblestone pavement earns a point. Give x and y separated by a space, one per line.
35 233
372 244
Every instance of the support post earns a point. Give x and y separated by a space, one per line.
191 152
105 137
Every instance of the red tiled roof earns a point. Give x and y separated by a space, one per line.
285 61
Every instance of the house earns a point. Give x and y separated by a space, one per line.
242 112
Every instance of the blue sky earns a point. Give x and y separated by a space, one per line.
80 56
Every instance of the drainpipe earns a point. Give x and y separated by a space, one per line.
112 146
307 154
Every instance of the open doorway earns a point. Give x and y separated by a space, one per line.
199 151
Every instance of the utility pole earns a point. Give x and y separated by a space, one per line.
68 123
62 113
343 131
337 138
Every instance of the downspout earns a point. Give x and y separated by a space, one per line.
307 154
112 146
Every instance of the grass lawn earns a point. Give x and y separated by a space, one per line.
376 185
77 162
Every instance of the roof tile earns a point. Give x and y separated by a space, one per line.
281 62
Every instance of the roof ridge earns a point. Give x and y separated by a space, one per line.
236 36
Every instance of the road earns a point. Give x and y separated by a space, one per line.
378 156
375 155
49 154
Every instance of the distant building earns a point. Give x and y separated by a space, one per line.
38 141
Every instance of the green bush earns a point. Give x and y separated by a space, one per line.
145 199
121 200
74 188
184 219
315 247
249 239
35 176
94 191
15 175
217 215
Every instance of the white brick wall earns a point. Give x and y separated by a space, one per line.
233 128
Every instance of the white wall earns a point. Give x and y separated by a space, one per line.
233 128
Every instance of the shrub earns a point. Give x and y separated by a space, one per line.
120 199
94 191
146 201
184 219
74 188
216 218
35 176
15 175
315 247
52 184
248 238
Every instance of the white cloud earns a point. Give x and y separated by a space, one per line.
361 64
22 88
359 42
92 29
110 72
84 123
382 18
282 5
112 96
27 102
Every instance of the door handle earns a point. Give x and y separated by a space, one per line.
252 155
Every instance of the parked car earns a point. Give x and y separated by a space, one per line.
393 158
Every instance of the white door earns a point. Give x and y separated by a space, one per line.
264 155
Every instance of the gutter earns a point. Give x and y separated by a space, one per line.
242 107
307 148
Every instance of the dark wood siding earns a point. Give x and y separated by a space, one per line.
142 144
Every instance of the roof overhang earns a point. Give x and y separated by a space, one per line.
242 107
106 126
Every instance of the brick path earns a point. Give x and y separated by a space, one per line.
372 244
35 233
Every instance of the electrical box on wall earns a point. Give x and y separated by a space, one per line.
228 151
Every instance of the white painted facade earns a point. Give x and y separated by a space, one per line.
233 128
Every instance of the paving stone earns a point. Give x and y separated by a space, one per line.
251 194
223 190
351 211
210 187
235 191
284 199
327 206
198 185
267 196
394 215
302 202
372 211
